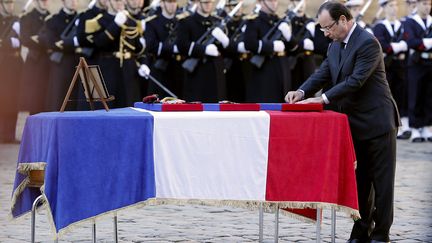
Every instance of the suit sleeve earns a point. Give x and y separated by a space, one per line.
317 80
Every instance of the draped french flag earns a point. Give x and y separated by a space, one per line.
97 162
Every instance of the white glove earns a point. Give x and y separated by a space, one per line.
211 50
175 49
75 41
143 25
144 71
311 28
278 46
241 48
143 42
427 42
120 18
308 45
220 36
286 30
399 46
15 42
16 27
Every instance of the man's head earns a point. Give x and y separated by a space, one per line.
390 8
115 6
7 7
70 5
355 6
269 6
205 7
169 7
335 20
102 4
134 6
42 5
423 8
411 6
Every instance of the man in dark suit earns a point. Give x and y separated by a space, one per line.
354 75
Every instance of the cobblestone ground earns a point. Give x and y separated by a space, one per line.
171 223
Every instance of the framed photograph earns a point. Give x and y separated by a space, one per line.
89 87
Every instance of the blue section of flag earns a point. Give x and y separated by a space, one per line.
270 106
102 160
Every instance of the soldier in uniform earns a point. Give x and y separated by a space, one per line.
10 69
418 35
162 52
206 82
235 60
302 61
61 51
269 82
355 6
34 82
389 33
119 43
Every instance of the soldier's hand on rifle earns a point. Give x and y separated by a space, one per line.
219 35
120 18
286 30
400 46
16 27
241 48
311 28
175 49
15 42
308 44
211 50
427 42
144 71
278 46
143 25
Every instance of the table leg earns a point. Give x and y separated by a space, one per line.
333 225
318 225
261 222
33 217
94 232
276 236
115 229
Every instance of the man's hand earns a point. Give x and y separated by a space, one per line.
293 96
318 99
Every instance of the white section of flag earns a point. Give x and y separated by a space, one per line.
211 155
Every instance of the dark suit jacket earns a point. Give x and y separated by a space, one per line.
357 85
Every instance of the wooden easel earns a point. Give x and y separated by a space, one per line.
88 77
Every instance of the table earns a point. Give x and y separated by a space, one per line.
97 162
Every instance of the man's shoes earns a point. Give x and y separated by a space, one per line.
427 134
404 135
354 241
416 136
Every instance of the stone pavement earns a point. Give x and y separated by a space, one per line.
171 223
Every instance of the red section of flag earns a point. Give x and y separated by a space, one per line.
311 161
182 107
302 107
239 107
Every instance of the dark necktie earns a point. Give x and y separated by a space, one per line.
342 48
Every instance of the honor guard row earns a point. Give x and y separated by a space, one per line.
204 51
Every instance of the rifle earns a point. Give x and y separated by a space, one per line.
274 34
26 6
363 11
206 39
239 31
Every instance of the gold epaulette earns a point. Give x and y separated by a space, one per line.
182 15
92 25
250 16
